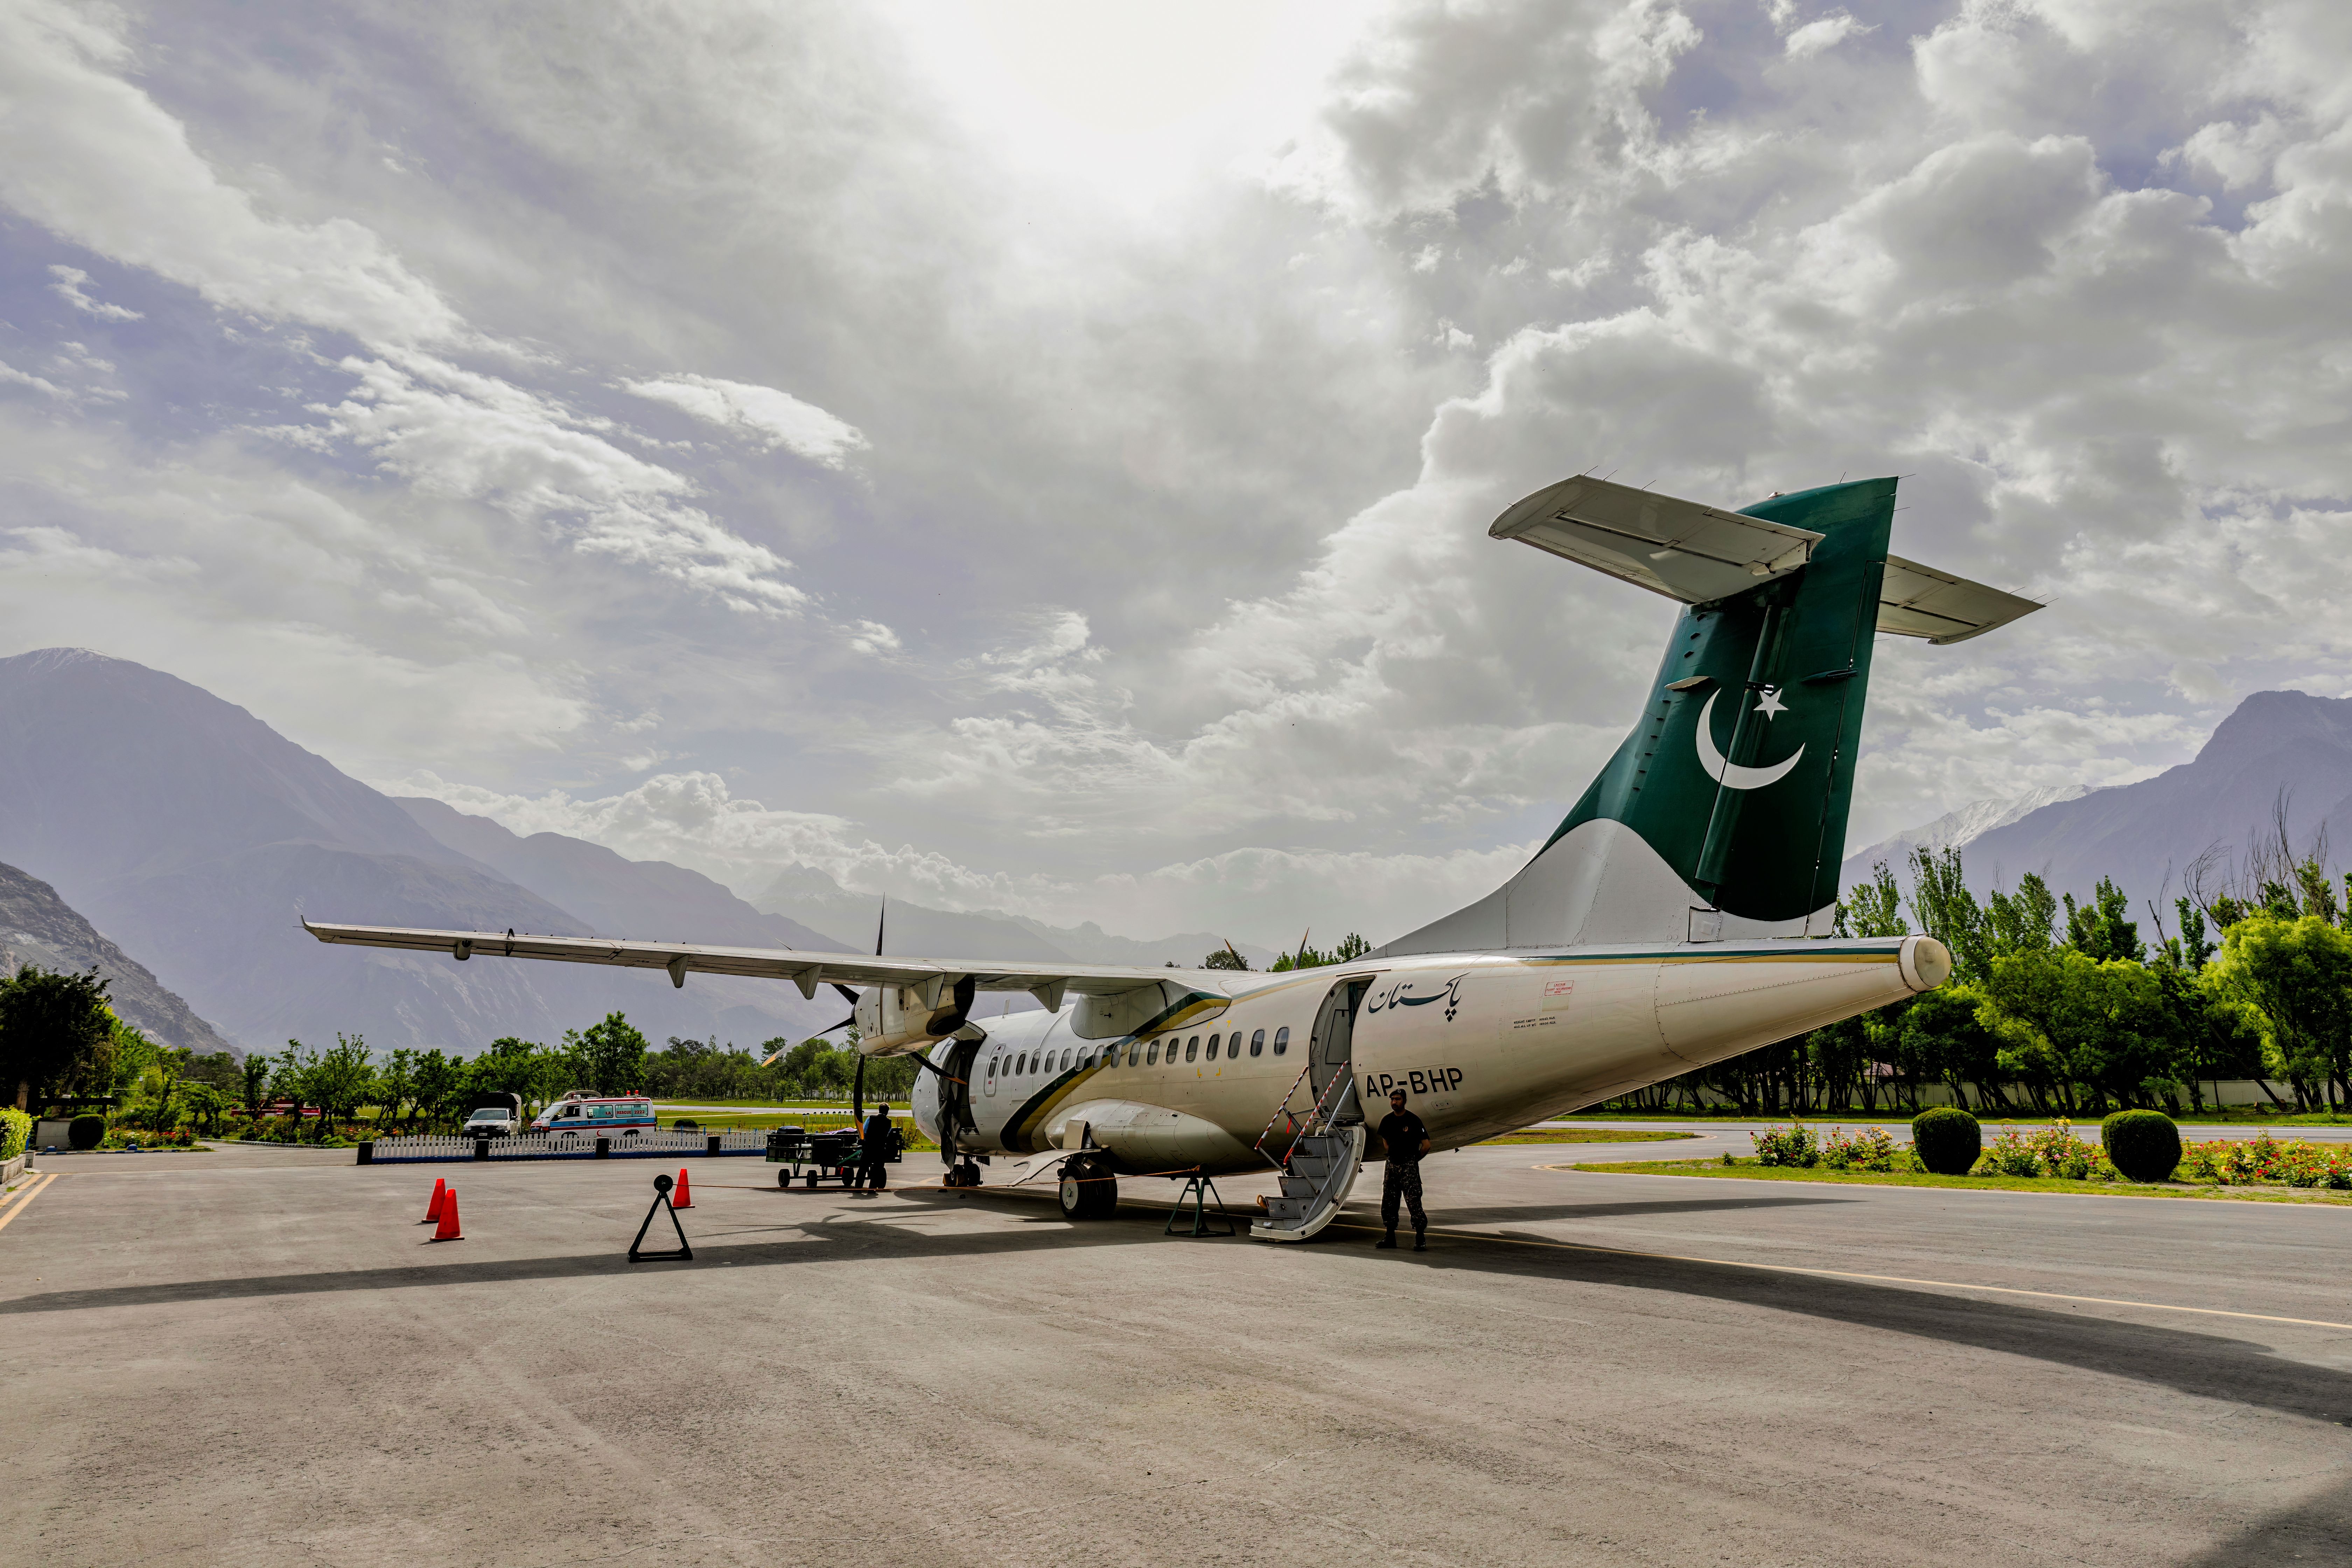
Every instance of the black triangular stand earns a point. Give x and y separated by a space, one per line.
684 1253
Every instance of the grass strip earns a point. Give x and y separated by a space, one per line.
1989 1117
2059 1185
1586 1135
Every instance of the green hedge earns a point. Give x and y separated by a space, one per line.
1946 1140
2144 1145
16 1131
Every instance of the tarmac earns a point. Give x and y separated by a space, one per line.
253 1356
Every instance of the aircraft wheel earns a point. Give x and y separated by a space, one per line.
1088 1192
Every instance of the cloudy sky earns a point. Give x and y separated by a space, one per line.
1036 455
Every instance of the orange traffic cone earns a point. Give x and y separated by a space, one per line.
447 1229
684 1198
433 1209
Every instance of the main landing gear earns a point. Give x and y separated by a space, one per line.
1088 1191
964 1176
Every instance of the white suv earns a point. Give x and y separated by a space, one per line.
491 1121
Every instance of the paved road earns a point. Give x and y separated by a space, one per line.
253 1357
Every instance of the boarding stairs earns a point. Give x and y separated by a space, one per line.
1326 1151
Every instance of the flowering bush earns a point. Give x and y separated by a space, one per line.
2265 1161
125 1137
1870 1149
2054 1151
1786 1146
2009 1155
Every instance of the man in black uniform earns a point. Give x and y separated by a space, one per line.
1407 1142
873 1149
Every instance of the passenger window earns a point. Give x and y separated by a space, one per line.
1213 1046
1191 1047
1021 1064
1257 1043
1066 1060
1282 1039
1153 1056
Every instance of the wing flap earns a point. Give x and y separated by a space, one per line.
1678 548
1916 601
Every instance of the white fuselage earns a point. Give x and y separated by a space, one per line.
1481 1044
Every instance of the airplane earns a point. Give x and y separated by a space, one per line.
1681 913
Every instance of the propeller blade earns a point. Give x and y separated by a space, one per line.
857 1095
846 995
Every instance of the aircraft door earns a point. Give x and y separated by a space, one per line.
1332 1045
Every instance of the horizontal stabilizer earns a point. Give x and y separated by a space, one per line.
1916 601
1678 548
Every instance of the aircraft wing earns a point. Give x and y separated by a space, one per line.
1047 982
1679 548
1918 601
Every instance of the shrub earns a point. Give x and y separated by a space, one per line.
1948 1140
2062 1154
2144 1144
1871 1149
2009 1155
1786 1146
2232 1161
686 1124
16 1131
84 1131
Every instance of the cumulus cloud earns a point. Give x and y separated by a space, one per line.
1160 594
777 418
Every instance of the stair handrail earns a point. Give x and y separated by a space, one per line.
1280 1112
1344 1082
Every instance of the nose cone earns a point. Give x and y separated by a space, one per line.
1925 963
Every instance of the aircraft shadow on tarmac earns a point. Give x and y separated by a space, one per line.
2318 1530
2203 1365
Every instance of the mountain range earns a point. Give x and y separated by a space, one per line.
39 927
196 838
2280 758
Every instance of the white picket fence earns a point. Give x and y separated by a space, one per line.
623 1143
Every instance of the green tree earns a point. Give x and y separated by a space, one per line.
438 1081
513 1067
2297 973
1225 957
611 1055
289 1075
207 1103
2021 921
1352 947
255 1076
1944 1038
396 1085
1947 910
57 1035
2065 1020
340 1080
2098 930
1873 909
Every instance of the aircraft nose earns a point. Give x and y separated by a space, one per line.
1925 963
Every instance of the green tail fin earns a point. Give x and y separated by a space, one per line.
1741 771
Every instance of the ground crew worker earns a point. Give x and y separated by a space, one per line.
873 1149
1407 1142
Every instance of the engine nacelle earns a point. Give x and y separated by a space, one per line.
895 1019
